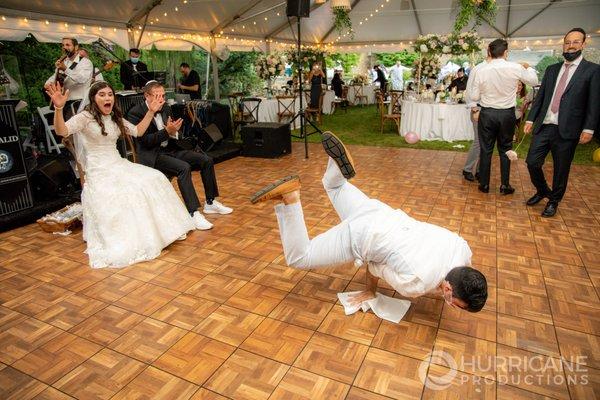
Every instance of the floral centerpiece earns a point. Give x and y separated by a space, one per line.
269 66
428 67
452 44
481 10
308 57
359 79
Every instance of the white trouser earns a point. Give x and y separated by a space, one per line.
330 248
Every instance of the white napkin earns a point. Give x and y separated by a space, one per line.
384 307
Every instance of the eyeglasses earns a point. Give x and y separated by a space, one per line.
575 43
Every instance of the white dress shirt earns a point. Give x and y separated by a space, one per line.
413 257
552 118
160 124
495 83
472 74
78 79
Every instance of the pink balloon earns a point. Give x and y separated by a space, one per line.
411 137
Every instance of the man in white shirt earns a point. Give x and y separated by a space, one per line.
76 71
414 257
565 112
397 76
494 88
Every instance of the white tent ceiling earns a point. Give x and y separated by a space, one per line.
178 24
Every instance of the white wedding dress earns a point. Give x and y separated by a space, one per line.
130 212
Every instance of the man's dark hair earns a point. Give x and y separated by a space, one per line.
580 30
134 50
461 69
497 48
73 41
184 65
470 286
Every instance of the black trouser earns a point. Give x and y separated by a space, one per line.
495 126
181 164
547 140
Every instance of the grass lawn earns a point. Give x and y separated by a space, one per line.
360 125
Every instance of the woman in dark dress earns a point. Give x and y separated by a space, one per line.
336 84
315 78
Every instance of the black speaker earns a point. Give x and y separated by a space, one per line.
266 139
298 8
53 178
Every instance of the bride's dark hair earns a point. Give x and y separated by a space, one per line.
116 115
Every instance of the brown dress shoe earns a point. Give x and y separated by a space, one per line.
339 153
277 189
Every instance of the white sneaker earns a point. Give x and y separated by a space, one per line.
201 222
216 208
182 237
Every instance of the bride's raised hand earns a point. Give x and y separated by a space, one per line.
59 98
156 103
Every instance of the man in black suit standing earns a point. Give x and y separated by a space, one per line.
131 71
157 148
565 112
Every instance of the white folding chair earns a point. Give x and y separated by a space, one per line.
51 142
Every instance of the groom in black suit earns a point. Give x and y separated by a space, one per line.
565 112
157 148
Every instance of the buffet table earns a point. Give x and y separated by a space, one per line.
437 121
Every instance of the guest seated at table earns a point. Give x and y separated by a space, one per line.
336 84
158 149
460 82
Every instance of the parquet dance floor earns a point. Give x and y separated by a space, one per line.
219 315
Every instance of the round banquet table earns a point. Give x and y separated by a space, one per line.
437 121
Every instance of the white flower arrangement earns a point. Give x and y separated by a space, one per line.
270 65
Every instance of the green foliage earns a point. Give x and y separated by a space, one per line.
237 73
545 63
342 23
388 59
479 10
348 60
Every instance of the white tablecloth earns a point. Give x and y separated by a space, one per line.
267 112
441 121
368 90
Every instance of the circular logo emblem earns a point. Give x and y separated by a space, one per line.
6 161
438 382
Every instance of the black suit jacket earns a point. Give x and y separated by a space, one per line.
579 106
148 146
129 77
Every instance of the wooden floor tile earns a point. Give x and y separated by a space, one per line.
112 288
52 394
332 357
277 340
256 298
546 375
425 311
15 285
194 357
229 325
461 386
578 347
147 270
156 384
215 287
299 384
146 299
15 385
241 267
521 282
147 340
57 357
71 311
480 325
179 278
279 277
528 335
38 299
390 374
320 287
205 394
361 394
247 376
576 317
583 382
101 376
10 318
506 392
23 337
359 327
302 311
406 338
516 262
185 311
521 305
107 325
473 356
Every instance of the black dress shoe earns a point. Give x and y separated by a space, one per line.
477 175
536 198
550 209
484 188
507 189
468 176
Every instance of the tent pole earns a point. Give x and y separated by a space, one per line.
215 67
207 74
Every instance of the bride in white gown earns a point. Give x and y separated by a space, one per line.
130 212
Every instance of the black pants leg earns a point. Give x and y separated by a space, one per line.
506 124
541 144
563 151
202 162
495 127
172 166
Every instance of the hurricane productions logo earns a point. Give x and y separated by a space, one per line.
438 382
6 161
